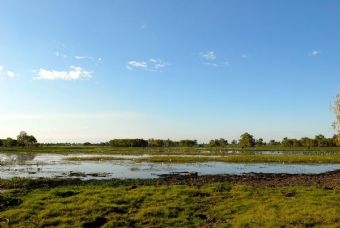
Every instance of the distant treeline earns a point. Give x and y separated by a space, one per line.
151 143
23 139
245 140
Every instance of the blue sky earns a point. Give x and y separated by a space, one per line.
94 70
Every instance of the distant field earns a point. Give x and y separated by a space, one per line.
164 150
242 158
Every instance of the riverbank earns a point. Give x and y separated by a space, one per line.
219 200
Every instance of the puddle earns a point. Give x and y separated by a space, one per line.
54 165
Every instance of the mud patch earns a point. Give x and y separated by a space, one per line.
6 202
98 222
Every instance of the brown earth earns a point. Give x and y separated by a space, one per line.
328 180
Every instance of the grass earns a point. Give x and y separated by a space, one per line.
170 150
129 203
242 158
259 158
101 158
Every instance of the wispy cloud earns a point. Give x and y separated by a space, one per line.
208 55
244 56
82 57
59 54
154 65
314 53
10 74
5 74
210 59
89 58
138 64
217 64
75 73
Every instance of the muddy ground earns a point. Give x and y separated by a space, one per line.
328 180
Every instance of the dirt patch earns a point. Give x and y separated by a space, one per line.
328 180
6 202
98 222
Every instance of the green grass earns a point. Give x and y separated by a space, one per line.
171 150
127 204
101 158
246 159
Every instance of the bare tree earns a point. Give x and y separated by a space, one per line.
336 110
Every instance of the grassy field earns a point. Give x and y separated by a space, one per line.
242 158
258 158
170 150
141 204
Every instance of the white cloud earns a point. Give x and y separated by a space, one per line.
138 64
59 54
158 64
244 56
4 74
81 57
154 65
314 53
75 73
208 55
214 64
10 74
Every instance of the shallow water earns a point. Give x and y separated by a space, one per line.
54 165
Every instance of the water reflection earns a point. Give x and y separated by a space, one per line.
54 165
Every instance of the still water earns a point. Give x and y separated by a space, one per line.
54 165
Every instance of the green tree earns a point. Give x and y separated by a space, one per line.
187 143
272 142
9 142
246 140
23 139
233 142
260 142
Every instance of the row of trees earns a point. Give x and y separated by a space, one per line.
151 143
23 139
246 140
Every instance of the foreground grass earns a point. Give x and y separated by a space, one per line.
129 204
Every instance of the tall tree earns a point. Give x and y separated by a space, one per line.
336 110
23 139
247 140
